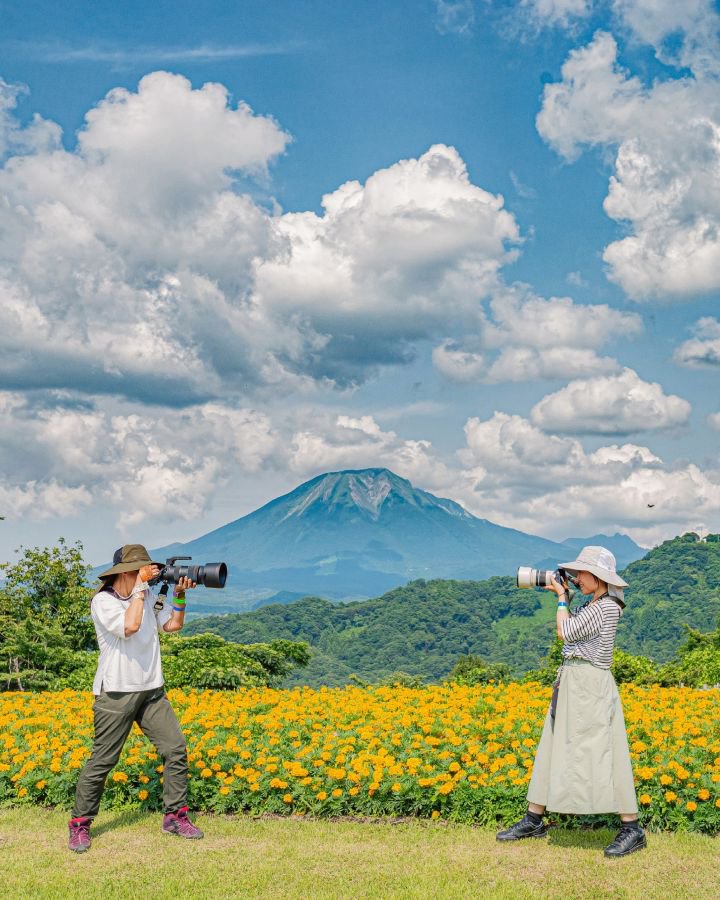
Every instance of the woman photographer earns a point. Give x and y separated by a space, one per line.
582 765
129 688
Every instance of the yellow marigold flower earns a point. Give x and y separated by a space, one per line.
206 773
143 795
446 788
287 798
119 776
337 793
645 799
704 794
321 795
435 814
691 805
670 796
22 792
41 784
224 790
665 779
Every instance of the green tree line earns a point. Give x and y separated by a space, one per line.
426 631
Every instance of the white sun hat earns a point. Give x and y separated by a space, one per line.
600 562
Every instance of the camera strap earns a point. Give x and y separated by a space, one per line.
160 600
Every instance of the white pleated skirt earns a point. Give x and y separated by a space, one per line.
582 765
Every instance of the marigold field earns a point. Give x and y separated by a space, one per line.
451 752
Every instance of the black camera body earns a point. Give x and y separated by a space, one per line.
211 575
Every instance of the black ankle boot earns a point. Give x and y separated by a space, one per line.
531 825
630 838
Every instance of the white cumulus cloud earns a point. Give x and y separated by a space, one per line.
527 338
516 474
666 183
58 456
614 404
141 231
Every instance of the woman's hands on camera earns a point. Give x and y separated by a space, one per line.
558 587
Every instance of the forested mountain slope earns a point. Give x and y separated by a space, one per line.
423 627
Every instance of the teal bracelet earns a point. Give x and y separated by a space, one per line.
562 606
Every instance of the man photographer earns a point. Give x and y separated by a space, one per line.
582 765
129 687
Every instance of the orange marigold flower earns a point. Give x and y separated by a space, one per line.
645 799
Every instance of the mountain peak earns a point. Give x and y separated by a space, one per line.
364 490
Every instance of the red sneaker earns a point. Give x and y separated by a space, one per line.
179 823
79 829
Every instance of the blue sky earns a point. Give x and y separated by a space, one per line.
509 294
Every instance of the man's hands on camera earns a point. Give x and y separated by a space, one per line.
146 574
183 584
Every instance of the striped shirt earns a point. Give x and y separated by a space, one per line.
589 633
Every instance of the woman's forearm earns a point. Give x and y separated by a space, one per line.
562 614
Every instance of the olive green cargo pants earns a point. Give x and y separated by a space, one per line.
114 714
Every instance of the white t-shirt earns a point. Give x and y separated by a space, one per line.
127 663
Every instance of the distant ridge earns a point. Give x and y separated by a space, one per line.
358 533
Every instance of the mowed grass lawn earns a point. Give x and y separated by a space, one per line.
295 858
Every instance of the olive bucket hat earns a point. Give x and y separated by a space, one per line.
129 558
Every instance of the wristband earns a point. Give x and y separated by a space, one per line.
179 608
179 595
562 605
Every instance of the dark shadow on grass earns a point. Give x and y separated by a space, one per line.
588 838
124 819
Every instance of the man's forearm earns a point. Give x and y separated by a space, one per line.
176 621
134 613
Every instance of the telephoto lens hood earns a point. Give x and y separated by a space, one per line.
210 575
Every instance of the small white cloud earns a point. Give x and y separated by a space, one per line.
576 279
616 404
454 16
457 364
555 13
703 350
145 54
522 190
714 420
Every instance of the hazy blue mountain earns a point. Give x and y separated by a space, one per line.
357 534
624 548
